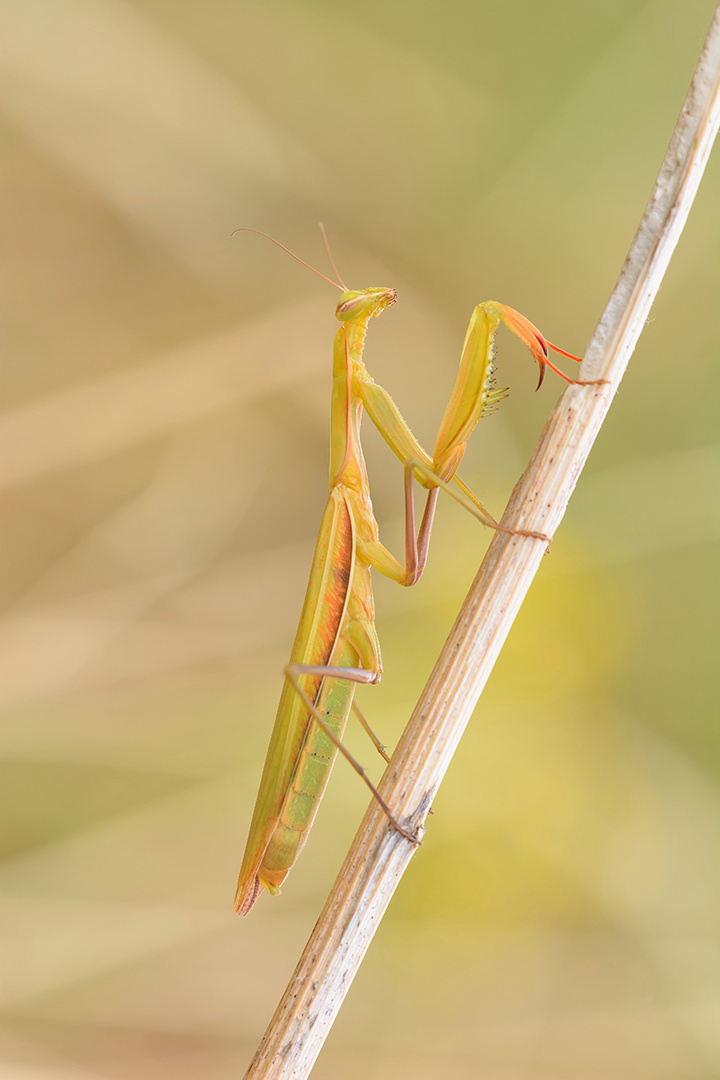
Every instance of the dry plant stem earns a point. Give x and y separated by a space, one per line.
379 855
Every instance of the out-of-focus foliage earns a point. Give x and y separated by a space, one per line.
164 439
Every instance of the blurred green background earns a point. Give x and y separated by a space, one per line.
166 391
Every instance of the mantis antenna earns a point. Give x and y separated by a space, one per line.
329 252
342 286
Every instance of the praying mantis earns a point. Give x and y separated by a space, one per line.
336 646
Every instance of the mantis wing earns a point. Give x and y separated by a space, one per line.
321 620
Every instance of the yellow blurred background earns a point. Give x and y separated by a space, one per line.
164 438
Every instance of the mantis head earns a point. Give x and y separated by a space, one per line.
357 304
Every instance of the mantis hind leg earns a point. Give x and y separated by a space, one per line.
381 749
360 675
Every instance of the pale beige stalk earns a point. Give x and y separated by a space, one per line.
379 854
